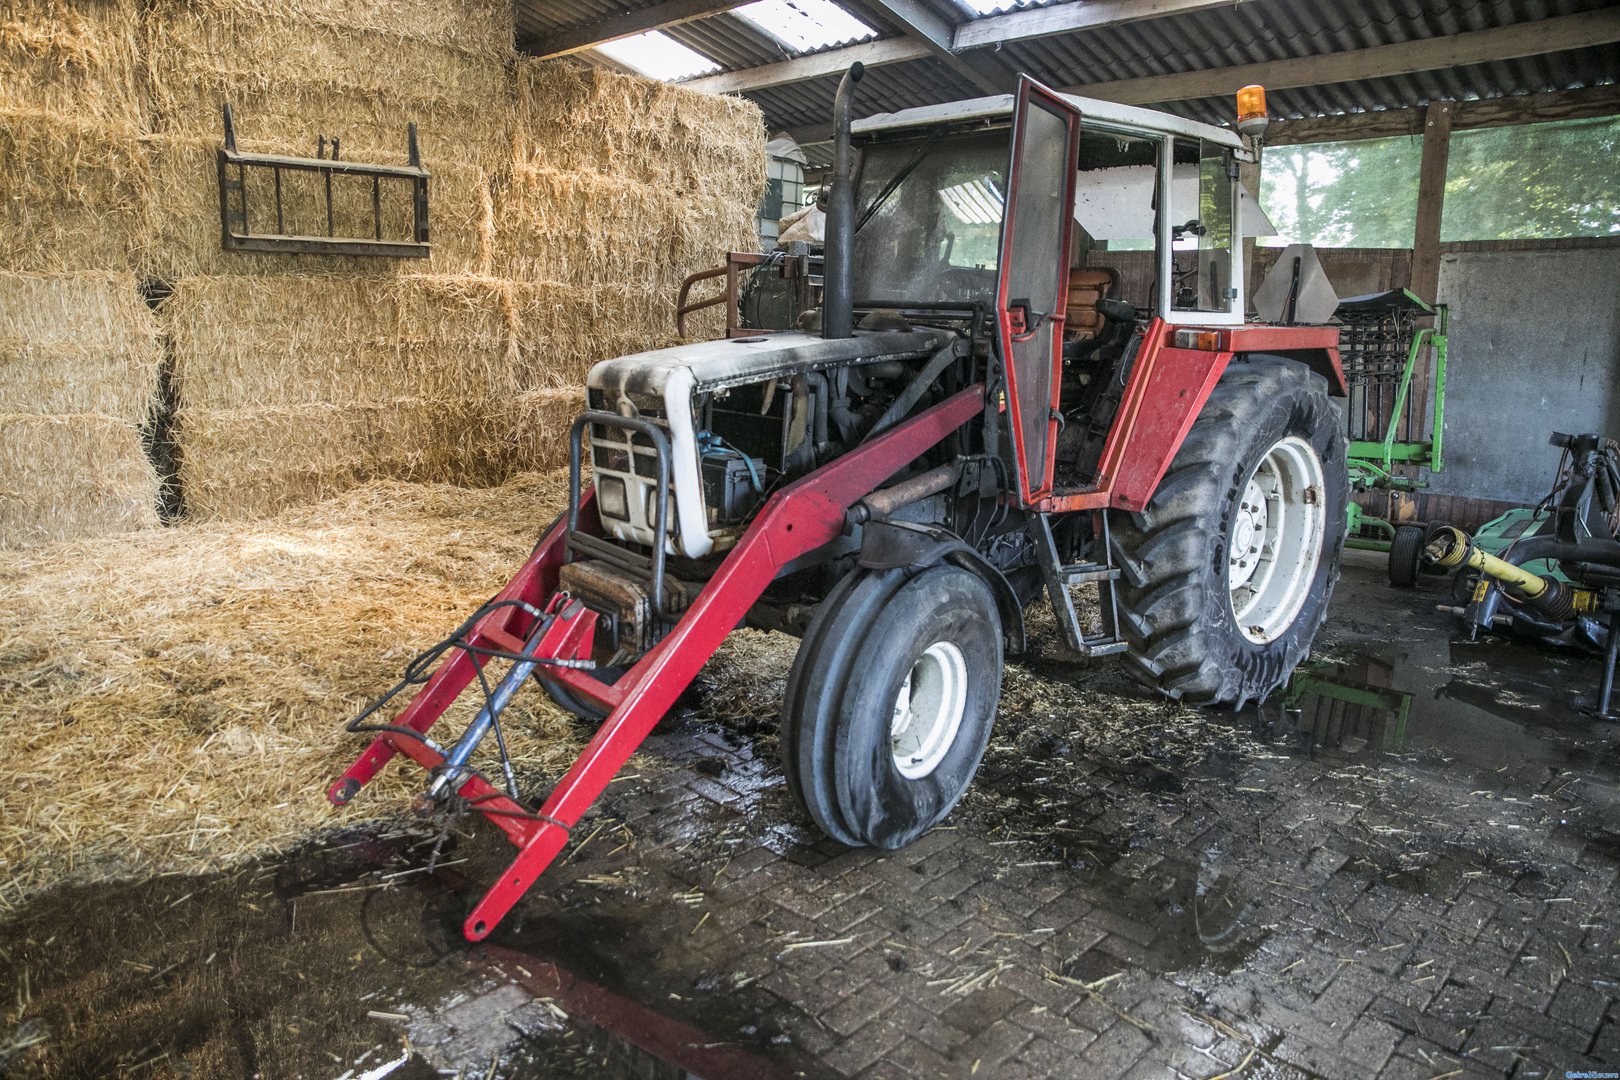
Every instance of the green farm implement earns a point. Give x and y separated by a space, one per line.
1395 436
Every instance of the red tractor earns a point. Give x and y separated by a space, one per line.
1030 370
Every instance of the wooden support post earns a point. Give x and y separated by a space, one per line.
1426 242
1431 199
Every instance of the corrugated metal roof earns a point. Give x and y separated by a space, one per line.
1253 31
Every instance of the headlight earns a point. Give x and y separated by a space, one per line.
611 500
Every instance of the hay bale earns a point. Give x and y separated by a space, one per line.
79 59
536 424
71 193
289 81
301 339
181 237
628 243
481 27
622 186
595 231
576 119
175 699
77 343
239 464
561 330
69 476
588 230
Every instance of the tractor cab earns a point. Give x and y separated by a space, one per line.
1082 229
1151 203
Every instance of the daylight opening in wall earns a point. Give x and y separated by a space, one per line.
659 56
1360 194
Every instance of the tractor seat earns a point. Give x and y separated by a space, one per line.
1083 321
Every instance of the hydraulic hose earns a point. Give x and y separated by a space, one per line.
914 391
1594 551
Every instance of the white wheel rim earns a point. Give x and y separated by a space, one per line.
1276 541
928 710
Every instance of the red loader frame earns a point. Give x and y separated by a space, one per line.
800 518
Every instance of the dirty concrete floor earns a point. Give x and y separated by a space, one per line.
1330 892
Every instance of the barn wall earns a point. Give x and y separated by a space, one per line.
1534 348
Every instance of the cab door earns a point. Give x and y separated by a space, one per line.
1032 287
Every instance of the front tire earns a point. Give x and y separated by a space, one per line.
890 702
1226 574
1406 555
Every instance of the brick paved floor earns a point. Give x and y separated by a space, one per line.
1130 889
1174 895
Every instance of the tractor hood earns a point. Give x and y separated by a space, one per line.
715 365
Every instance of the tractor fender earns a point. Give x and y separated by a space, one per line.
914 547
1324 362
1175 385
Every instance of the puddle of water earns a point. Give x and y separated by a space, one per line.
1472 707
345 960
1496 722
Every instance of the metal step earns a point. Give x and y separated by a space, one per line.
1103 647
1059 576
1084 573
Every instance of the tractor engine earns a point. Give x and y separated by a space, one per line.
739 418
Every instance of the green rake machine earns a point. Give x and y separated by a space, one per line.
1393 437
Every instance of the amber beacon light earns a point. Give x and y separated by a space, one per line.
1251 107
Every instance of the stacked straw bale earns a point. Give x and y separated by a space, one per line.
295 388
71 192
298 376
79 350
293 71
620 188
566 207
579 119
78 58
70 160
359 71
79 360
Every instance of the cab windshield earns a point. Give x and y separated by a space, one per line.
928 217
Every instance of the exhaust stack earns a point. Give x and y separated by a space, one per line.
837 302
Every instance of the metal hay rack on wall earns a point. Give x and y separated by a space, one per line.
237 231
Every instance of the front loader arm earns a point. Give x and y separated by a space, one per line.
801 517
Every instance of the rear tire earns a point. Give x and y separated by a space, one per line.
1406 555
890 702
1226 574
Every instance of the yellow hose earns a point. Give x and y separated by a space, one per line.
1450 547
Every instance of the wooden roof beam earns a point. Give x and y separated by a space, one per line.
1542 36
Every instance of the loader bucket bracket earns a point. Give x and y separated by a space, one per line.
242 228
